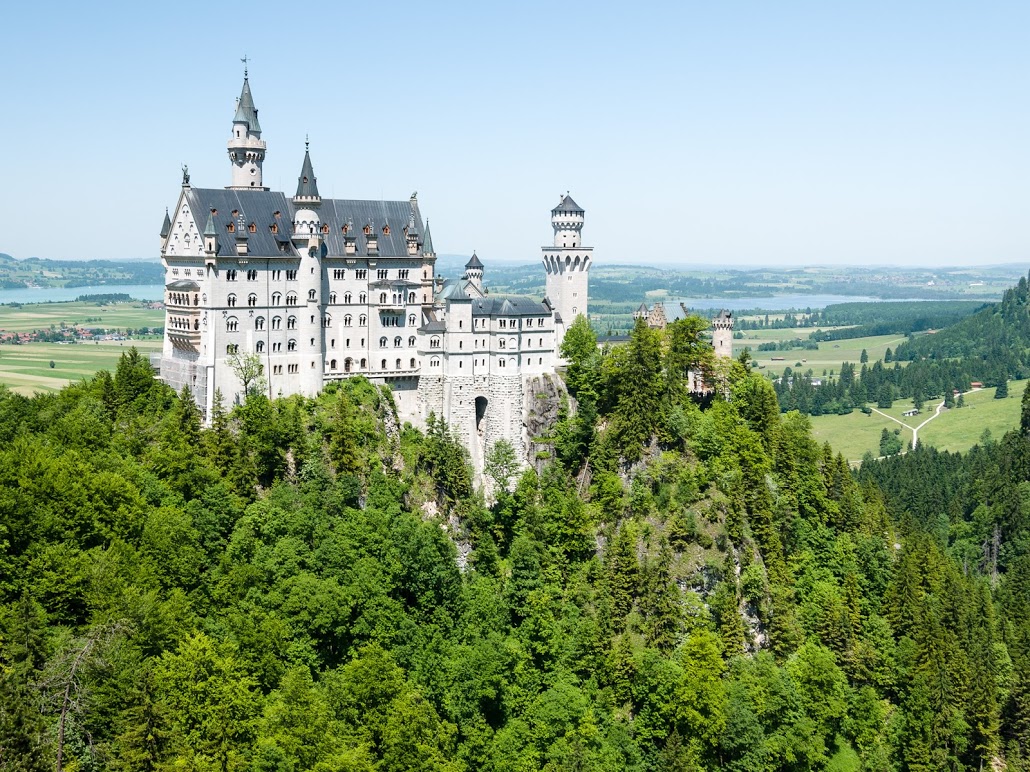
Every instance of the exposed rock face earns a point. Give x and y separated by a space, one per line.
542 399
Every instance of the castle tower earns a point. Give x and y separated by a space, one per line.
567 264
246 148
310 245
722 334
474 272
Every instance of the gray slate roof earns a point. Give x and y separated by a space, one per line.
183 285
510 306
568 205
474 262
260 206
245 110
166 228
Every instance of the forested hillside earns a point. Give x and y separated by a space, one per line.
991 346
677 586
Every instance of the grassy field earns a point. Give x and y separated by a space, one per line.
954 430
828 357
961 429
39 316
26 368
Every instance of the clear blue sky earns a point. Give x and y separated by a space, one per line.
691 132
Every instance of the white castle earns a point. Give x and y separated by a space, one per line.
323 289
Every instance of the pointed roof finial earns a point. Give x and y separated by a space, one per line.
245 60
307 184
166 228
306 143
427 242
209 229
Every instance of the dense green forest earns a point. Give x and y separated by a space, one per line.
676 585
990 346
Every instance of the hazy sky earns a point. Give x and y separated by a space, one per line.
691 132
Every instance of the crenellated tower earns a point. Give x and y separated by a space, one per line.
308 239
246 148
567 264
722 334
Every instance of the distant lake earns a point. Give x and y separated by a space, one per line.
58 294
772 302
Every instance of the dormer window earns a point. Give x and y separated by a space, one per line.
275 227
231 226
325 229
367 230
386 230
252 228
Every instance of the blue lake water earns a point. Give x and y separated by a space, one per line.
57 294
768 303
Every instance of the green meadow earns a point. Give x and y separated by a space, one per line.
26 368
40 316
957 429
827 357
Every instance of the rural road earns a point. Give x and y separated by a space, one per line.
915 429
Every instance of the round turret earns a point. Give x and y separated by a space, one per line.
567 220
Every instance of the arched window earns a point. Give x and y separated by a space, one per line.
413 363
397 342
382 297
332 364
311 294
411 340
500 363
364 363
347 364
362 298
434 343
291 323
384 365
398 367
382 342
411 319
347 320
434 362
291 345
411 297
231 301
346 297
251 299
277 298
259 323
501 343
327 321
332 298
232 348
277 322
259 346
232 323
291 299
362 320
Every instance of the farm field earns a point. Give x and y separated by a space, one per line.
26 369
954 430
39 316
828 357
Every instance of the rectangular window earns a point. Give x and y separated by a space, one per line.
361 274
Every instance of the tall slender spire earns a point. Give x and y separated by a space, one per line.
427 242
166 228
307 184
245 110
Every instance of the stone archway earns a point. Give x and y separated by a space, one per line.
481 405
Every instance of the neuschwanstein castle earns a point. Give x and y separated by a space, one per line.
322 289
